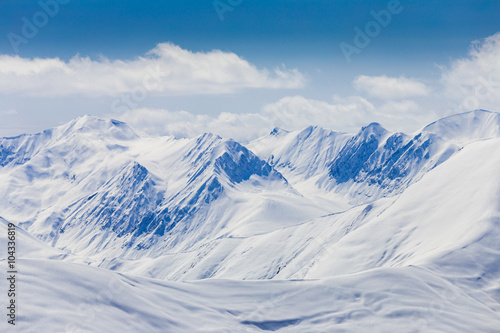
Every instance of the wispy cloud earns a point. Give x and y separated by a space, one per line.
166 70
474 82
183 124
291 113
385 87
295 112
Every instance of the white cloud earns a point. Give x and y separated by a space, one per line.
474 82
182 124
398 103
402 107
347 114
291 113
384 87
297 112
166 70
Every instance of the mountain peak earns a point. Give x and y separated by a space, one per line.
467 127
239 163
109 127
89 120
374 128
278 131
85 120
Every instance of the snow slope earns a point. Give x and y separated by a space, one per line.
374 231
420 227
304 158
362 168
467 127
58 296
93 187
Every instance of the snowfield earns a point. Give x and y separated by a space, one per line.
58 296
306 231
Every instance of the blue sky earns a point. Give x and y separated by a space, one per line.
419 41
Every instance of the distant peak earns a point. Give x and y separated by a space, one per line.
466 127
89 119
374 125
87 123
310 128
373 128
84 121
278 131
208 137
478 113
117 122
468 114
481 111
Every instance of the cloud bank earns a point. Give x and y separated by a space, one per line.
474 82
291 113
398 103
384 87
166 70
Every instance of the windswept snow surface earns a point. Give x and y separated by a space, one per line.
63 297
306 231
467 127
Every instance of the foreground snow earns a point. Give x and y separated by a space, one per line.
58 296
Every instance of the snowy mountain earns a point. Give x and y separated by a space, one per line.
467 127
94 187
375 164
304 158
303 153
369 231
363 167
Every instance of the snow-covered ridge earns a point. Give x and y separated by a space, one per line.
423 229
304 153
467 127
94 186
372 163
150 196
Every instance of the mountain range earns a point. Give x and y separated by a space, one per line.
297 231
